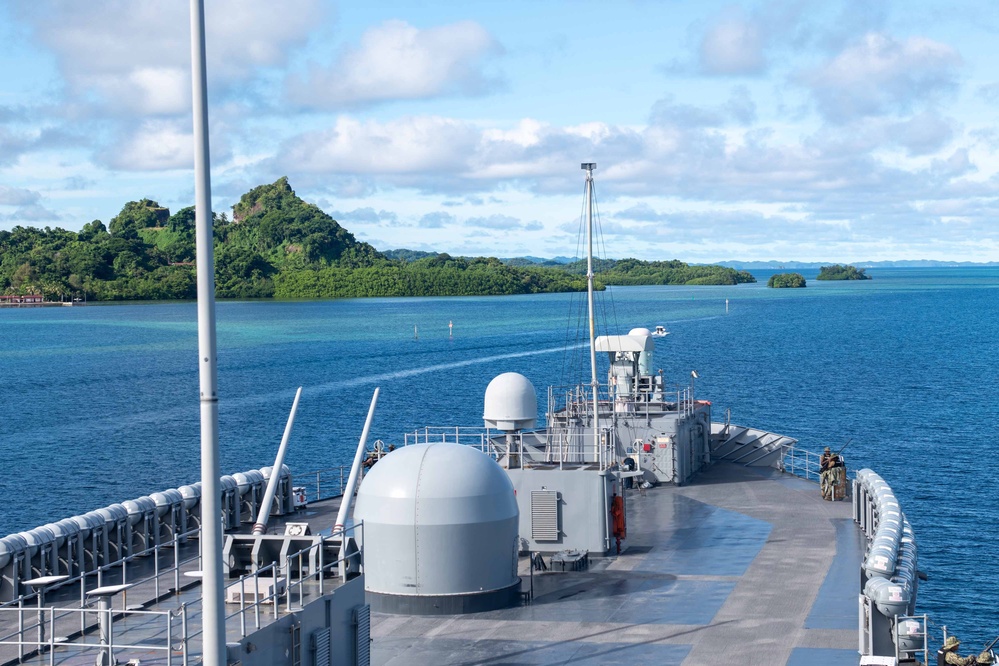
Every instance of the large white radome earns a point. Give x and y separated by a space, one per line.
439 519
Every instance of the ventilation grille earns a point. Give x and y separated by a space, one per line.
362 618
321 647
544 515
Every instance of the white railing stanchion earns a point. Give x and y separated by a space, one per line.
274 594
183 631
176 564
170 646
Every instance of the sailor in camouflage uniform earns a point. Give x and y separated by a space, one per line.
948 654
826 463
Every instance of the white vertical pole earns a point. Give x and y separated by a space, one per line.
589 167
211 514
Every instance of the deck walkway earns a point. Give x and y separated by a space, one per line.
743 566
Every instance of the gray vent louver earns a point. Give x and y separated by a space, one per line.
362 619
544 515
321 647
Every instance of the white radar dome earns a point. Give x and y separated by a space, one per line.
440 531
640 331
511 403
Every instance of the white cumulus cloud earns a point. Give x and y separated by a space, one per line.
398 61
436 220
498 221
879 75
135 56
733 45
153 146
364 215
408 145
16 196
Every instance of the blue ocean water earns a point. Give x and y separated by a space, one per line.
100 403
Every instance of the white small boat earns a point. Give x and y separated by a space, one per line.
660 332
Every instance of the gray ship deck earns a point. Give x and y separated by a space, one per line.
744 566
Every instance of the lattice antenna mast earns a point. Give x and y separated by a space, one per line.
594 384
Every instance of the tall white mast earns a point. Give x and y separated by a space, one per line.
213 635
594 384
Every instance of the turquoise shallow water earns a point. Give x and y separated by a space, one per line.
100 402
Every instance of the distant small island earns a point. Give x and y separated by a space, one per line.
786 281
842 272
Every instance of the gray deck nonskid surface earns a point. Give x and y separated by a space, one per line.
741 567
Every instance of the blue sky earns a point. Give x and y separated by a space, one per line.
798 130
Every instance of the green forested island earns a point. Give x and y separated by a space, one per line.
636 271
786 281
842 272
277 245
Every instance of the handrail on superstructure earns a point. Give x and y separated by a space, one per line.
48 616
274 597
575 401
51 615
481 438
123 563
321 484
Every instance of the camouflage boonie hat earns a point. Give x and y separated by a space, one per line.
951 642
828 450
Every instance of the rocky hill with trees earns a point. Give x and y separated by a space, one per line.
277 245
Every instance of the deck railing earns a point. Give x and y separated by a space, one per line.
120 572
39 626
323 484
254 611
800 462
45 623
575 401
482 439
803 463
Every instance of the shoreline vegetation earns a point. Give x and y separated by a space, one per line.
276 245
842 272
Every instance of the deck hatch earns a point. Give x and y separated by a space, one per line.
362 620
544 515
